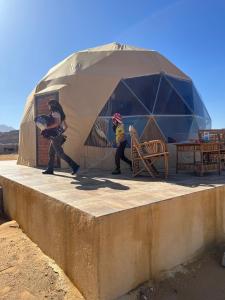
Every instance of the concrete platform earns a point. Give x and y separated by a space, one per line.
109 234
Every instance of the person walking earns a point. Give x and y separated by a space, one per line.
121 142
55 133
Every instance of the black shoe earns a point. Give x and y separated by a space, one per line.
48 172
75 170
116 172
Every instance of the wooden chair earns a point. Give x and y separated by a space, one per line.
145 154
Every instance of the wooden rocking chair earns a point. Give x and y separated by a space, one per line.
147 153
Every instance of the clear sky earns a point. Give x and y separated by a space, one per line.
37 34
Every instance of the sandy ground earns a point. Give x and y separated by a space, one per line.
8 156
203 279
26 273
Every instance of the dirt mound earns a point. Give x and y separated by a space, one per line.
26 273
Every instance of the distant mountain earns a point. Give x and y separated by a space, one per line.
11 137
5 128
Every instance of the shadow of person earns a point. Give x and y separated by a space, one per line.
63 175
88 183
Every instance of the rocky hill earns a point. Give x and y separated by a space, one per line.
11 137
5 128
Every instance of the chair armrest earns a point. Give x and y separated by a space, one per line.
157 144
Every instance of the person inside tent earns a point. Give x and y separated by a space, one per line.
55 133
121 142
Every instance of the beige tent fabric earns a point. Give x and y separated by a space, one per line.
27 144
51 88
27 136
75 64
85 80
114 46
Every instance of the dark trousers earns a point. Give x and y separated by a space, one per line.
120 155
55 148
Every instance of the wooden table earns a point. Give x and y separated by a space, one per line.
206 157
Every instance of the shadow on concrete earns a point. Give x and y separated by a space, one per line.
184 179
96 179
88 183
192 180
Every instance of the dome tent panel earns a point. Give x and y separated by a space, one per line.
183 89
205 113
198 123
203 123
175 128
75 64
98 136
145 88
168 68
189 94
193 132
152 131
123 101
126 64
168 102
199 107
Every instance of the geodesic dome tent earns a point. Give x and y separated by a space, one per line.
152 94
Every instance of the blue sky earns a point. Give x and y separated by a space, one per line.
37 34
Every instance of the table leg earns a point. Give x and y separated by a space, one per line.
177 162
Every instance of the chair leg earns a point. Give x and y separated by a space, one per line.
147 168
166 165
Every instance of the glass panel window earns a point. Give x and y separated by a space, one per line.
193 132
98 135
152 131
168 102
184 89
190 95
124 102
198 105
175 129
203 123
145 88
206 114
